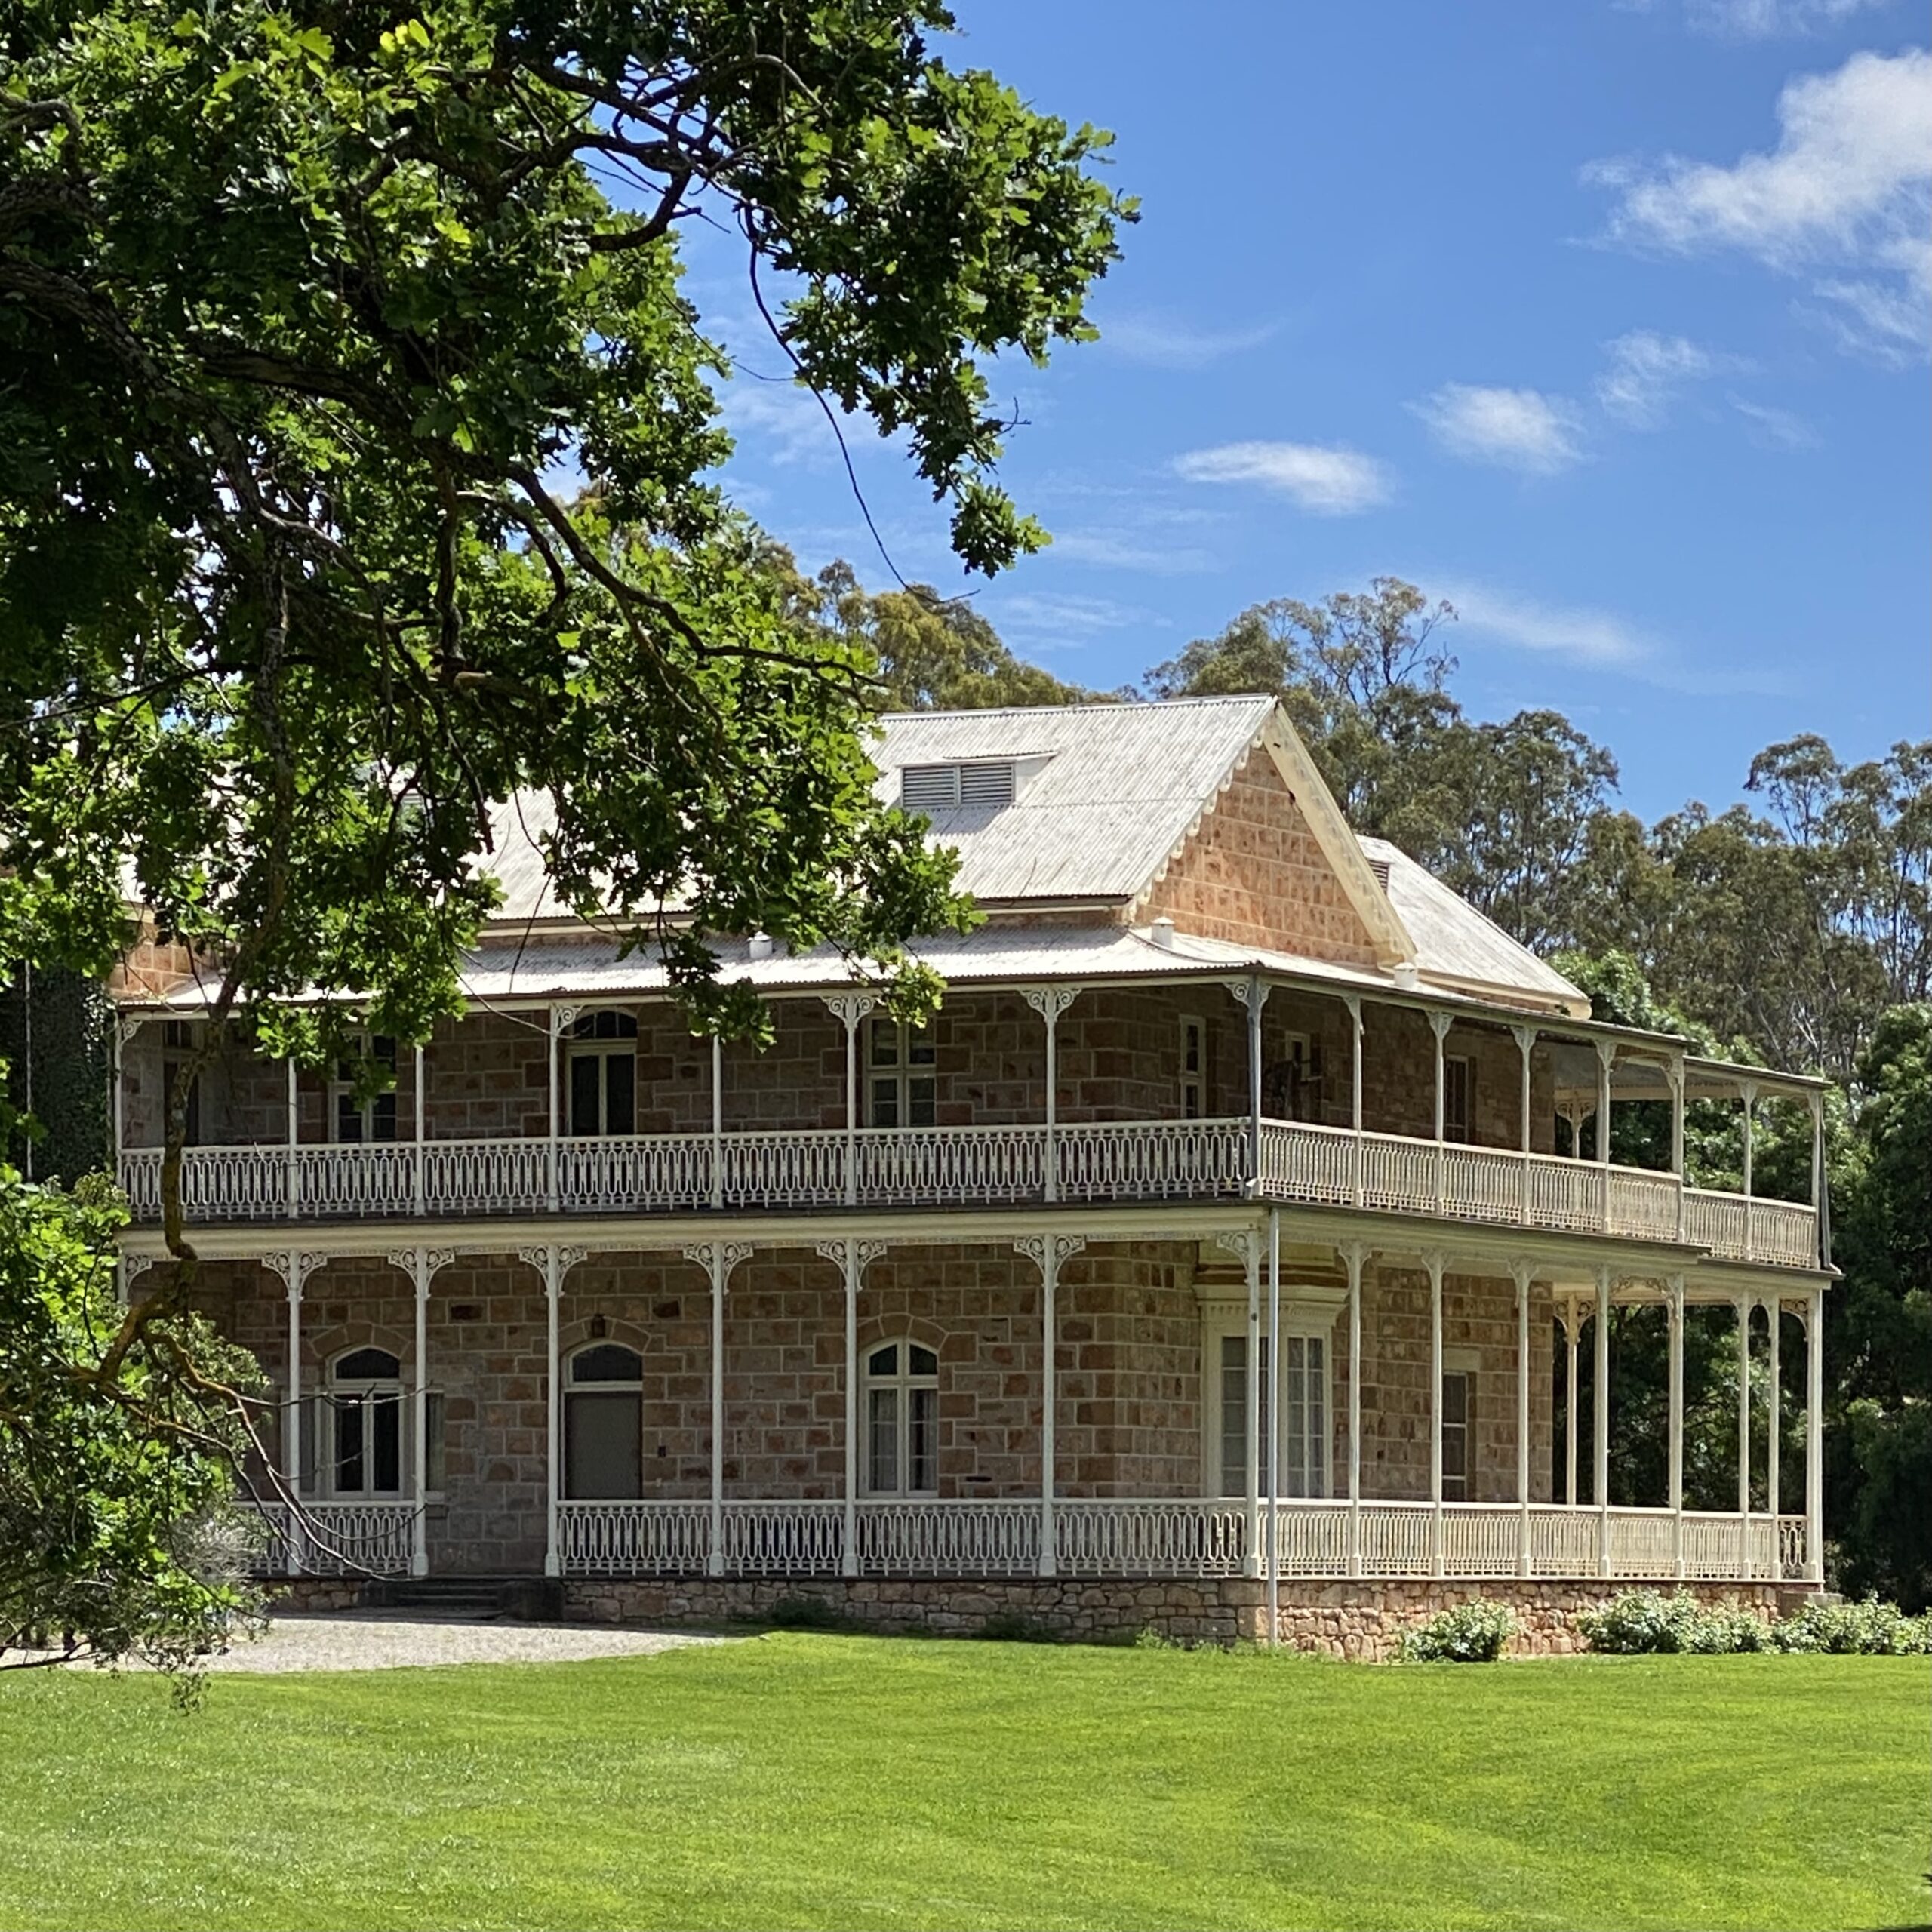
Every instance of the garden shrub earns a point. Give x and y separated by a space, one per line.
1870 1628
1470 1633
1636 1621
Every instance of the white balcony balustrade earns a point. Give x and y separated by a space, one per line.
1172 1537
337 1538
1115 1161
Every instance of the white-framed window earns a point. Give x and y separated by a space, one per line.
1459 1096
901 1074
604 1423
601 1069
1291 1087
1458 1394
1193 1067
901 1399
373 1119
177 1043
1303 1444
362 1449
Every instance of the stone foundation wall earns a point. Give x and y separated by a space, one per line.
1363 1621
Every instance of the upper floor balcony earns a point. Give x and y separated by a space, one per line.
1185 1089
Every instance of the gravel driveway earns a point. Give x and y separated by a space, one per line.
392 1640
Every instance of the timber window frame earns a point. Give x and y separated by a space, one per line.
1306 1444
1194 1066
1459 1097
899 1408
353 1122
901 1074
603 1422
600 1075
365 1446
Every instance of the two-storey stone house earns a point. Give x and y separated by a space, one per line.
1219 1244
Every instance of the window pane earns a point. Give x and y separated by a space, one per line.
922 1441
885 1103
382 1117
347 1116
1234 1414
367 1365
584 1093
922 1362
609 1362
883 1361
885 1044
1317 1386
348 1474
620 1093
921 1102
883 1443
386 1418
1455 1400
921 1048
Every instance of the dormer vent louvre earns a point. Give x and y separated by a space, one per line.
1379 867
985 785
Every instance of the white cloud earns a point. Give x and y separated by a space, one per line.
1771 19
1126 550
1518 428
1164 343
1775 428
1646 372
1845 197
1599 640
1046 619
1328 480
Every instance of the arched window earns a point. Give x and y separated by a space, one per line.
363 1412
603 1073
902 1420
604 1423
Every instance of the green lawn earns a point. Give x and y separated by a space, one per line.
799 1780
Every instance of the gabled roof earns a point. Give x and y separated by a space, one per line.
1457 948
1107 791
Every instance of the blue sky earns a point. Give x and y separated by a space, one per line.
1608 323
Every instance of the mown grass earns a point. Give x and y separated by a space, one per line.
815 1781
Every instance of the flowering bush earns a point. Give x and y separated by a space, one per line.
1470 1633
1648 1621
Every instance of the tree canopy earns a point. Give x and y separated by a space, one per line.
358 443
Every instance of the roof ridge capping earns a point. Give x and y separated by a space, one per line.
1231 699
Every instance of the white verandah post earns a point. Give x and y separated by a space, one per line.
852 1256
1601 1420
1814 1436
1526 1041
1274 1425
294 1267
1571 1319
851 1008
1245 1244
1432 1261
1439 1024
717 1122
1744 1435
1353 1256
294 1137
553 1262
1047 1252
1675 1314
420 1265
1606 1054
1049 1002
418 1171
1353 1002
1773 1315
717 1258
1522 1273
1673 1075
1748 1089
562 1018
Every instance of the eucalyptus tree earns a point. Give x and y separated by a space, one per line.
359 443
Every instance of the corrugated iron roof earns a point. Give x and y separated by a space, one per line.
1456 945
1105 792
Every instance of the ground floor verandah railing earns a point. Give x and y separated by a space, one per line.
1163 1537
1002 1166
